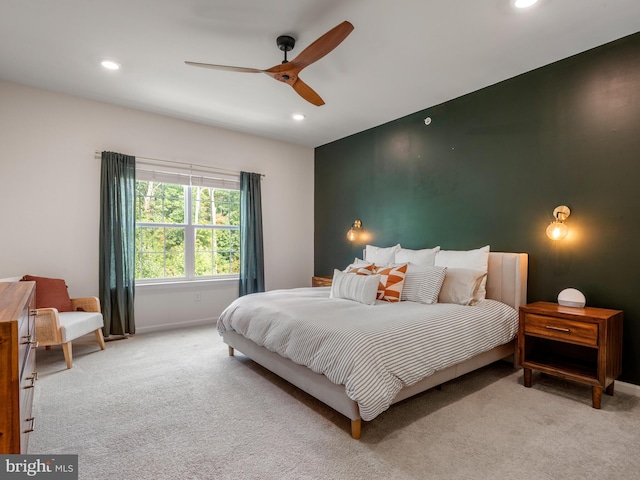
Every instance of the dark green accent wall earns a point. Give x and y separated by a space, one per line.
490 169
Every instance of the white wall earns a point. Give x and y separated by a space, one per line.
49 195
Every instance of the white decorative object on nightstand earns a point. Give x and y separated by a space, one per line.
570 297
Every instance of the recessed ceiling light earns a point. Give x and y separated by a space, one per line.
298 116
523 3
110 65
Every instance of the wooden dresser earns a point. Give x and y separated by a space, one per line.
17 365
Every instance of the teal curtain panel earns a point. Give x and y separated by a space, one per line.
251 242
117 242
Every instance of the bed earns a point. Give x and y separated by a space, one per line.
360 371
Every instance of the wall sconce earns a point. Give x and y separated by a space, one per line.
557 230
352 234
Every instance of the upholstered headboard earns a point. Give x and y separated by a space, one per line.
507 278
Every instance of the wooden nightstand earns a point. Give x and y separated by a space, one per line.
580 344
321 281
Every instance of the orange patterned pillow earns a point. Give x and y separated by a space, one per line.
391 282
361 270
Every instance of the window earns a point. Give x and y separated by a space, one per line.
187 227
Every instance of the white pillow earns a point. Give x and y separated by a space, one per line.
381 256
422 283
426 256
460 286
474 259
360 288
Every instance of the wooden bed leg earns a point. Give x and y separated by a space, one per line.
355 428
230 351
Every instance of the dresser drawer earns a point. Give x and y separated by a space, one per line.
27 388
26 335
572 331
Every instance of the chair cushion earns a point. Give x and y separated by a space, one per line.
51 293
76 324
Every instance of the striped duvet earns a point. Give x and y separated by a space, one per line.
373 350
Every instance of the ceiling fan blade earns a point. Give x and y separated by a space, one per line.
224 67
322 45
306 92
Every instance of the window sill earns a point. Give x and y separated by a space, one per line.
185 283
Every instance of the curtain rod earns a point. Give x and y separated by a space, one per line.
208 167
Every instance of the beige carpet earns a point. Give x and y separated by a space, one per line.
174 405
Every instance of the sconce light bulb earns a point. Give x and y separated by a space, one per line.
557 230
355 230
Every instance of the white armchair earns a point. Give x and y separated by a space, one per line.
61 328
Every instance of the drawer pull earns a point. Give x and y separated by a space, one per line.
560 329
33 425
28 341
33 379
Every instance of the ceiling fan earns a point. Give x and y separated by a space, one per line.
288 72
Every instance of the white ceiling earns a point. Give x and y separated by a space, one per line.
402 57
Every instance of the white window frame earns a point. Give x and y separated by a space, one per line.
176 175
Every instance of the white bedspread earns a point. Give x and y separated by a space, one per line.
373 350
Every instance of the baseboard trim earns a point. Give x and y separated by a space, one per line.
628 388
173 326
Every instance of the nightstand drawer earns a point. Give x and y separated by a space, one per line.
579 333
